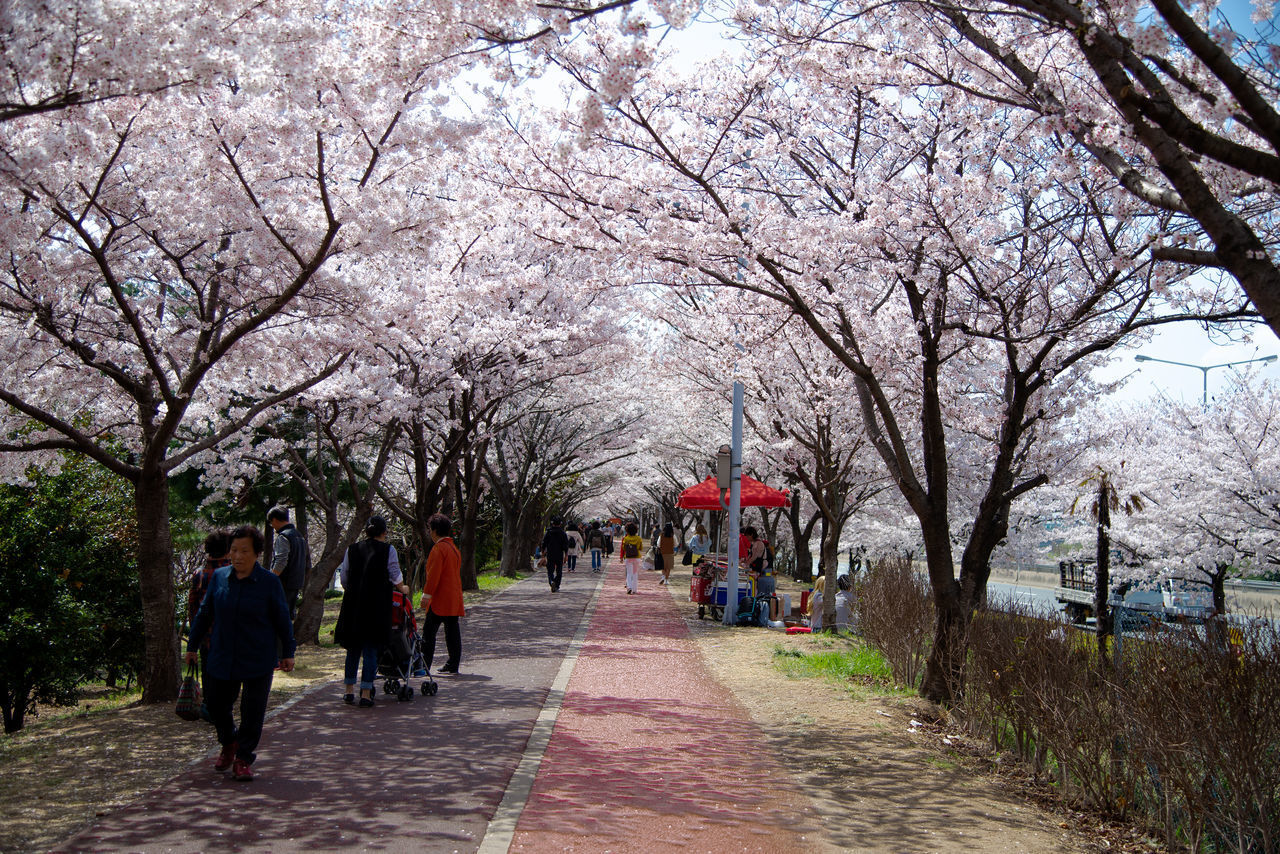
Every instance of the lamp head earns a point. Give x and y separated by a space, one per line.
1141 358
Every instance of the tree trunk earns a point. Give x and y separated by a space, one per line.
1102 583
831 560
14 705
306 626
159 678
470 521
1218 583
803 569
944 670
515 558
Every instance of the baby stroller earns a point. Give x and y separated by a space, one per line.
402 657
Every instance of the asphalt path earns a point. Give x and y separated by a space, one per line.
424 775
583 720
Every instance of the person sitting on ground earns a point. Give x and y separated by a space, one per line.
369 570
844 603
813 608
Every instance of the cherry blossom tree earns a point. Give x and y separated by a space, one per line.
965 274
1172 99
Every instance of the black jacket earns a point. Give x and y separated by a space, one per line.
555 544
365 617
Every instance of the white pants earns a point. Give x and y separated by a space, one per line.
633 573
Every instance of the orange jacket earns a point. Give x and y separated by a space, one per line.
444 579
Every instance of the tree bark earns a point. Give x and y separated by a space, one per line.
1102 584
944 671
160 671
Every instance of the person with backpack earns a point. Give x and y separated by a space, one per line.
575 548
595 542
631 547
290 556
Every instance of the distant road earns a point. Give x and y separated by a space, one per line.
1036 587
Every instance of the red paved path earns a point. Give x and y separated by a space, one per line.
649 753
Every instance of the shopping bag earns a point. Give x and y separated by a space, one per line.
188 707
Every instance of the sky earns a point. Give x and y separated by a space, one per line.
1188 343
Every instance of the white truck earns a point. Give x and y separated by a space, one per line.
1174 599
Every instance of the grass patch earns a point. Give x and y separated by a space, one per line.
492 582
843 661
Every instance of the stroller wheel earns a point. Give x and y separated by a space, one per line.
406 693
391 686
430 688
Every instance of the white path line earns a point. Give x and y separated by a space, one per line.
502 827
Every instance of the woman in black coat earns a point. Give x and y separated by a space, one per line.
369 570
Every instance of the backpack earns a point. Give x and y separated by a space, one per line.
768 556
746 611
630 550
760 611
597 539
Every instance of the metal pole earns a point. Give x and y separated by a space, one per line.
735 510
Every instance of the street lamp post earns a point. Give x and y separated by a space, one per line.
1204 370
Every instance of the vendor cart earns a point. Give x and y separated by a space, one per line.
708 588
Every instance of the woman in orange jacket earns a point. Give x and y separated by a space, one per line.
442 595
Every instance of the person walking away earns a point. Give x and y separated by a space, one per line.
246 615
595 541
667 548
701 542
631 546
290 556
370 570
216 546
442 596
575 549
555 544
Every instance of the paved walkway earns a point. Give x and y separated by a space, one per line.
584 721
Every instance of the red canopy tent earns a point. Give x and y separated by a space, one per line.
706 496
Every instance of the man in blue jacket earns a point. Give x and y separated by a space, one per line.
246 612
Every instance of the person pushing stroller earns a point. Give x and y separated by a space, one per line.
369 570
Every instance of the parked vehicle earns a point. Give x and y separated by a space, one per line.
1174 598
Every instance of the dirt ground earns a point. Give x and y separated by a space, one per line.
881 766
881 784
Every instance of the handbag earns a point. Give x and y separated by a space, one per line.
687 560
188 707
